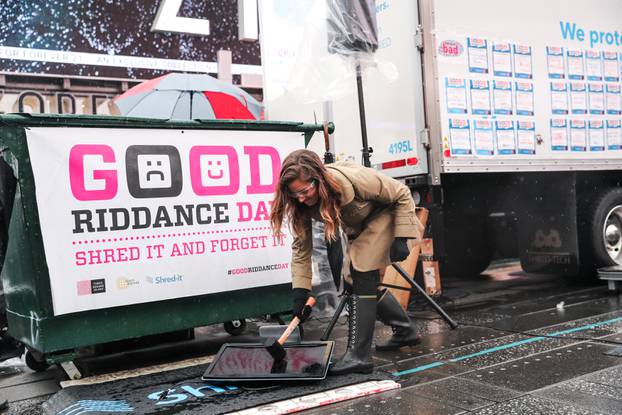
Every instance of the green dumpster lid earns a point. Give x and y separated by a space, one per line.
63 120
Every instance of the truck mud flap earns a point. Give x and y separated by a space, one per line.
547 224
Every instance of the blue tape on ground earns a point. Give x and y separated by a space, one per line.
506 346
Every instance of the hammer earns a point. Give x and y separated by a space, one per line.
275 347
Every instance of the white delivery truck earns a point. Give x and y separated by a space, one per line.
504 118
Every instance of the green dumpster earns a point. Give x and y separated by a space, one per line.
122 227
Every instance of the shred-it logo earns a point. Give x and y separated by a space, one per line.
550 239
88 287
450 48
163 279
124 283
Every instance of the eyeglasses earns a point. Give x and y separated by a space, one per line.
303 192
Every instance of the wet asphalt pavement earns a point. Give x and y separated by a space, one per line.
526 344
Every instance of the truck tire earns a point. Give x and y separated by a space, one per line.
603 235
467 251
464 265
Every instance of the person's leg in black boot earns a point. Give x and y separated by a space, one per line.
391 313
362 316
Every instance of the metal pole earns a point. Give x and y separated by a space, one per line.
327 108
329 142
359 87
191 99
331 325
413 284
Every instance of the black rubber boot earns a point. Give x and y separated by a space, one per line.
391 313
362 316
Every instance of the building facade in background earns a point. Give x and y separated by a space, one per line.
74 56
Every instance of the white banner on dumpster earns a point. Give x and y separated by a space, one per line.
131 216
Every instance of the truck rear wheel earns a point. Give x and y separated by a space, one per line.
462 266
467 250
604 238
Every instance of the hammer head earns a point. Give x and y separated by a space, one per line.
279 366
276 350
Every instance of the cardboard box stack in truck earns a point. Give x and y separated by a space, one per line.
510 136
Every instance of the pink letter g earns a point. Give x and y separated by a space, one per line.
77 172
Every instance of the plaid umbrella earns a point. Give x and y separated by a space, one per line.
188 96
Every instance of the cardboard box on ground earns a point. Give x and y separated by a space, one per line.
431 275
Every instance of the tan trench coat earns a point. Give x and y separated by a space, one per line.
374 210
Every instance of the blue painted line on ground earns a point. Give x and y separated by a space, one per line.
506 346
498 348
420 368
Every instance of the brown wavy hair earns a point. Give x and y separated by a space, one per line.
307 166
